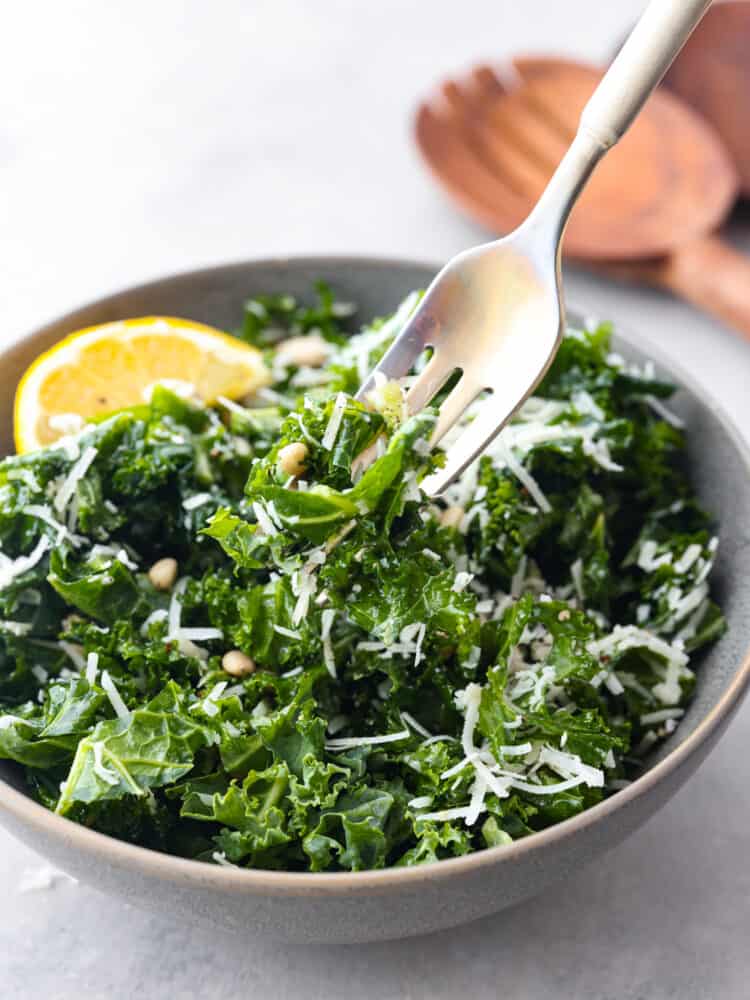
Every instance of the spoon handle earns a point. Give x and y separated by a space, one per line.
645 57
708 272
713 275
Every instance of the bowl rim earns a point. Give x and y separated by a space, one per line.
192 873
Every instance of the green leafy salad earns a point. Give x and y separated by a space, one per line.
220 640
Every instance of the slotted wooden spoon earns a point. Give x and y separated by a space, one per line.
712 73
651 208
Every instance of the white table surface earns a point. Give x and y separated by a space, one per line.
142 138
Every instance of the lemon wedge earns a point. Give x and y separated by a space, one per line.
104 368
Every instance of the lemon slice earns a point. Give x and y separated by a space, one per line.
105 368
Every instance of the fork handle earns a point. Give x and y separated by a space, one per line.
663 29
645 57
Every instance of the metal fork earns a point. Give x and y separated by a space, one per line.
495 313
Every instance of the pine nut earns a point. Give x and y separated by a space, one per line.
163 573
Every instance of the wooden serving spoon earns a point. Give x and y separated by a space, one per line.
712 73
651 208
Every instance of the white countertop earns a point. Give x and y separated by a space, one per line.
142 138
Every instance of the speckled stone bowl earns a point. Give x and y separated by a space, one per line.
394 903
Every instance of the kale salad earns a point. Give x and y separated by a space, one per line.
222 638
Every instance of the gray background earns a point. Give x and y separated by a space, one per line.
142 138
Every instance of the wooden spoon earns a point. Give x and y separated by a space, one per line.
648 213
712 73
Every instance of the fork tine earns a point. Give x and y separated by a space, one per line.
486 425
400 357
453 407
428 383
395 363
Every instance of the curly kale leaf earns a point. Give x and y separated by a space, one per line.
154 746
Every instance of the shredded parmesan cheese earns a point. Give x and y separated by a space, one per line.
121 709
348 742
662 715
10 569
416 726
197 500
92 666
288 632
77 471
326 622
74 652
265 523
337 415
201 634
526 479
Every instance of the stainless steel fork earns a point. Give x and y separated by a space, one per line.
495 313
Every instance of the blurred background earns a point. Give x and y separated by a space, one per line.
142 138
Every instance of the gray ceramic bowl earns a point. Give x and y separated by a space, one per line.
394 903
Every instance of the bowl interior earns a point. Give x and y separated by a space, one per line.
719 460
